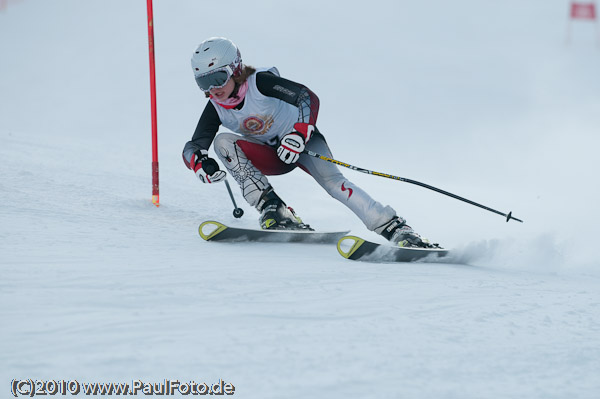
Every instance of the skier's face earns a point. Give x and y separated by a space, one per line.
223 93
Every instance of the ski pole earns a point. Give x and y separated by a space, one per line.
237 212
508 215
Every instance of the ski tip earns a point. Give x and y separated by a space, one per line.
210 229
348 245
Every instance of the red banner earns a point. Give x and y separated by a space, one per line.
4 3
583 11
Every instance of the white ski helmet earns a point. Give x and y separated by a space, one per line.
215 61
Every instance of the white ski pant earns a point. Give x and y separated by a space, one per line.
253 182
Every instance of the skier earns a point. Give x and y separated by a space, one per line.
274 120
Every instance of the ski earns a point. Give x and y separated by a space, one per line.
356 248
216 231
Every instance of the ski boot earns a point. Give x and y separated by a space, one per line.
401 234
275 215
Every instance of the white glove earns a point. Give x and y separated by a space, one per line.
207 169
292 144
290 148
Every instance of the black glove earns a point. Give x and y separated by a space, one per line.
207 169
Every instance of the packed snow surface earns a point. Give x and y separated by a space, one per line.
486 100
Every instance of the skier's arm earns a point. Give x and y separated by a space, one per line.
195 152
293 143
291 92
205 133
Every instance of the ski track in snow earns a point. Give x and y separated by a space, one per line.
100 285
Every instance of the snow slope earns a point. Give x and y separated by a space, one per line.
483 100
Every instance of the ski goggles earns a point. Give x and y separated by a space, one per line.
214 79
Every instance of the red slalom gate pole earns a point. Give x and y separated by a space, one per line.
155 197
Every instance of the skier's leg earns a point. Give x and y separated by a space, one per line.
251 180
248 161
372 213
376 217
